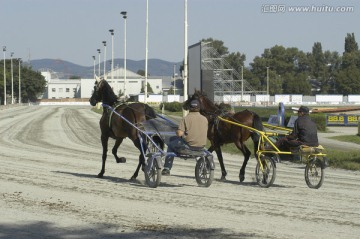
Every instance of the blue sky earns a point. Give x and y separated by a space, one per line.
72 30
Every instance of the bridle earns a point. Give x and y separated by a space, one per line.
97 88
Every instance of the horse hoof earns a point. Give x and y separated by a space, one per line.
100 175
242 178
121 160
223 178
133 179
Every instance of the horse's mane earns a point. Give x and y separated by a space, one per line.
198 94
108 94
149 112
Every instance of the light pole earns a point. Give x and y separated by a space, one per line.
242 83
125 17
267 80
4 50
19 80
12 78
146 50
94 66
99 72
174 80
112 58
112 54
104 42
185 58
267 84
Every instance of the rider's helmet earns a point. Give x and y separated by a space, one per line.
304 109
194 105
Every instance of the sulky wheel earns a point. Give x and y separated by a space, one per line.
203 173
265 177
314 173
153 174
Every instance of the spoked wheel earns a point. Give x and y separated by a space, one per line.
155 147
265 177
153 174
314 173
203 173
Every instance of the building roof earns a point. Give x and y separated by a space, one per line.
120 72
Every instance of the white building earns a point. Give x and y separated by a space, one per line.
62 89
134 82
83 88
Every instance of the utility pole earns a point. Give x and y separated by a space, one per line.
185 58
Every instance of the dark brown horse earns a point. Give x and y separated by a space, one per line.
113 126
220 132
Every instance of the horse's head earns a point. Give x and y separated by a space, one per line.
97 93
206 105
195 96
103 92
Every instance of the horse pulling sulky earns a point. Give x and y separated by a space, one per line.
148 131
226 127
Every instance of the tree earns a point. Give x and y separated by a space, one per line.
285 64
74 77
317 61
333 64
347 77
149 89
217 45
348 80
323 66
236 61
350 43
171 91
141 72
258 69
296 84
32 82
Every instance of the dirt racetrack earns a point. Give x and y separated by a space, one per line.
50 155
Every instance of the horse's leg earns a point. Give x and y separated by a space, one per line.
137 143
221 160
115 149
246 152
136 173
104 142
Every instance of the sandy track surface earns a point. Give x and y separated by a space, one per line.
49 157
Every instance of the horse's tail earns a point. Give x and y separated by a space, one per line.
149 112
257 124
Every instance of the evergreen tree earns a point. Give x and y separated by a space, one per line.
350 43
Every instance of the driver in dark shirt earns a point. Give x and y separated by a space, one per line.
304 132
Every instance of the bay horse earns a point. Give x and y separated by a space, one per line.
220 132
113 126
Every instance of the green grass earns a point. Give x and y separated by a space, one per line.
99 111
345 160
347 138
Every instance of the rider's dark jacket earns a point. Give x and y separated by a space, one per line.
305 130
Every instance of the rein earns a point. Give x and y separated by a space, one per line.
133 125
216 116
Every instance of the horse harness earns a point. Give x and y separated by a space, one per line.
121 106
215 121
111 112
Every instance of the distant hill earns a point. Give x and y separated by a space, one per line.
66 69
